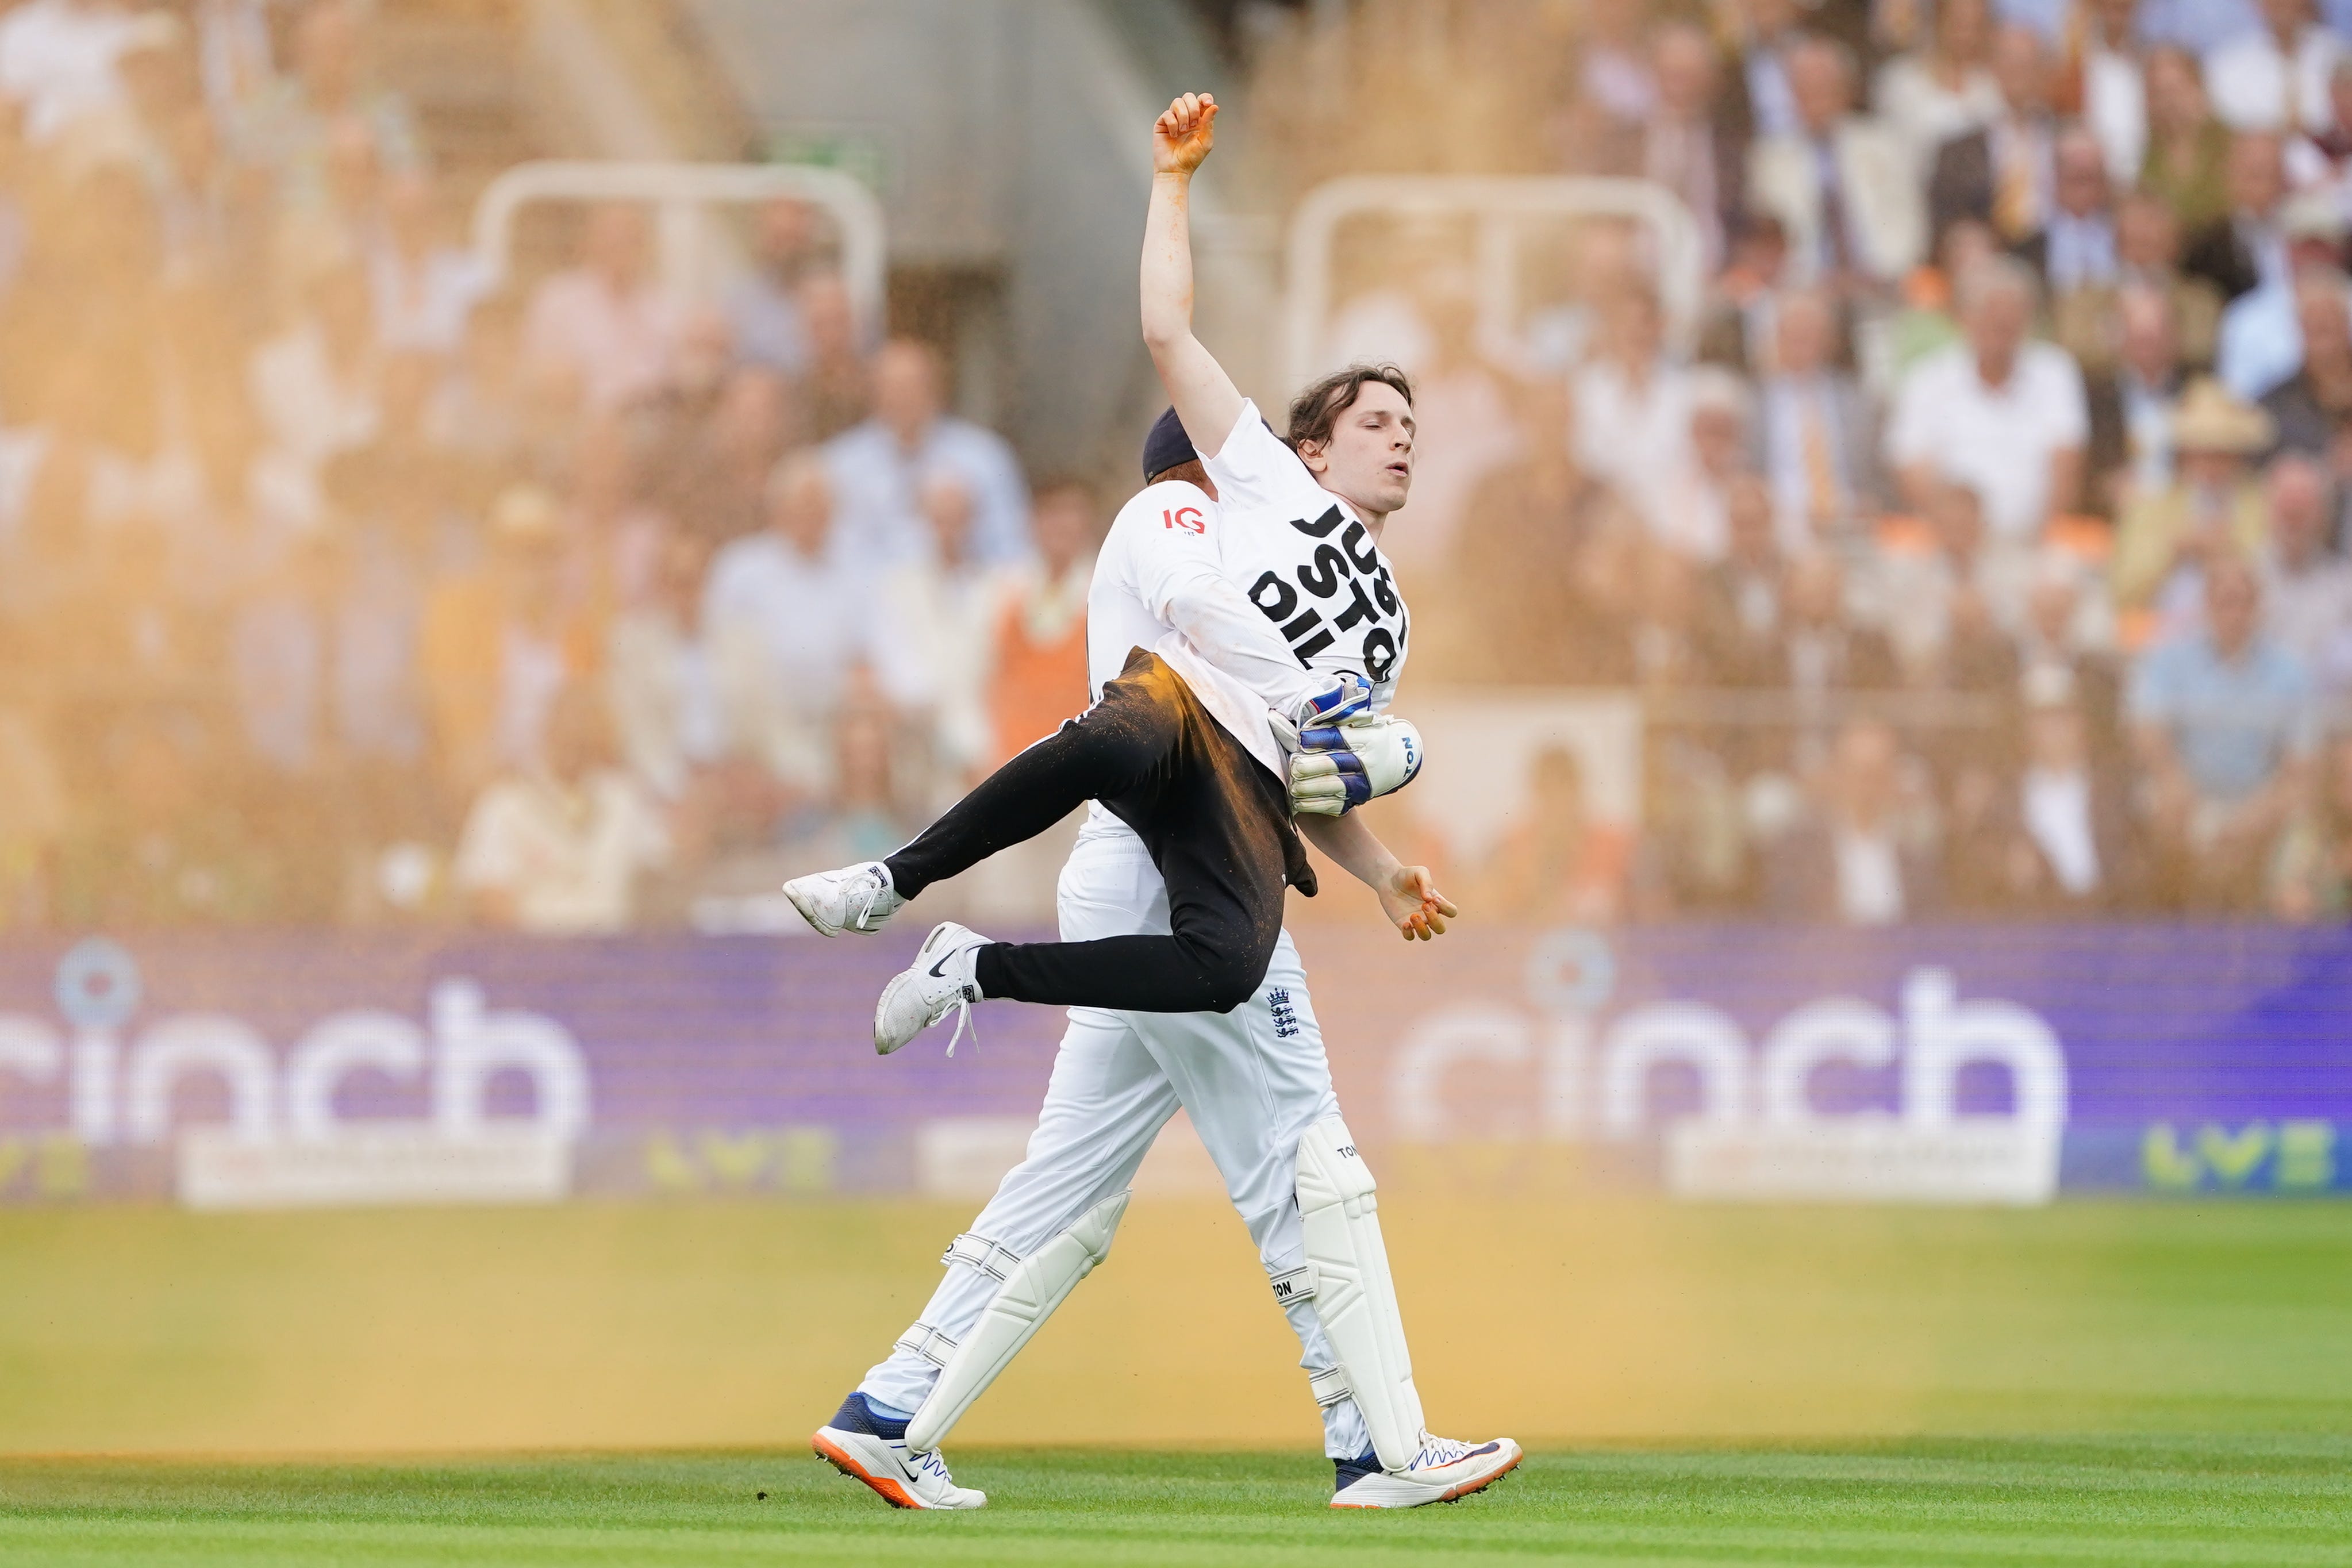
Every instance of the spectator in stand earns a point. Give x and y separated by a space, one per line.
837 390
2147 253
2275 77
1740 596
58 60
2001 172
878 469
1817 434
658 681
714 476
2261 341
2307 593
2067 627
2164 538
2002 415
1615 95
2245 248
1820 655
2059 840
785 623
425 287
1466 423
331 96
764 309
1737 328
2313 407
1687 145
2073 251
1944 599
1518 561
602 332
1633 410
941 605
2322 160
2223 723
1860 860
1765 103
1689 521
2103 83
499 642
556 849
317 388
1950 89
2188 149
1558 866
2314 881
1040 643
1843 187
2131 403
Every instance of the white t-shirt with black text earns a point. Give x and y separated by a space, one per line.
1306 562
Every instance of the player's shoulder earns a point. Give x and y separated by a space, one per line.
1171 505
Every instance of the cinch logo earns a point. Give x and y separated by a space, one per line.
1587 1074
121 1083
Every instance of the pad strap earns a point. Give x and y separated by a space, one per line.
978 1252
928 1342
1330 1387
1293 1284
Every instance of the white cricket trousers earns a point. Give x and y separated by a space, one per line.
1252 1080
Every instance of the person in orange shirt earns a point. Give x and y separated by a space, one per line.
500 642
1041 633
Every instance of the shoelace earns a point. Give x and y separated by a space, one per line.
875 888
964 998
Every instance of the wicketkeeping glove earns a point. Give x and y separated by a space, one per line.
1376 755
1309 726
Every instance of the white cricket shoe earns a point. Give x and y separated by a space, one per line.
856 897
859 1444
1443 1471
939 982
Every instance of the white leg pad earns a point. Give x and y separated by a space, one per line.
1033 1287
1352 1292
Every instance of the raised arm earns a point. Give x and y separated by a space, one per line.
1205 398
1408 895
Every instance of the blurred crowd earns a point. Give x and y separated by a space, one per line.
341 582
1976 546
1977 543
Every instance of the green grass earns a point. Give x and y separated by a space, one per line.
2062 1501
2125 1383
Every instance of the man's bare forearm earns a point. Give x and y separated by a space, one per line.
1350 843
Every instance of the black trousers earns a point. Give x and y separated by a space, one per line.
1217 825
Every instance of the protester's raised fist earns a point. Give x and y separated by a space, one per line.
1183 135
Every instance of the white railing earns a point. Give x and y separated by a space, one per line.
1498 204
680 193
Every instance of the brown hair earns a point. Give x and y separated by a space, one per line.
1316 411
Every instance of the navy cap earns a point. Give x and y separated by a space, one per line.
1167 446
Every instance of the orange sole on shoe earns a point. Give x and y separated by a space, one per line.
885 1487
1465 1490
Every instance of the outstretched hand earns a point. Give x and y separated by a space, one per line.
1183 135
1414 905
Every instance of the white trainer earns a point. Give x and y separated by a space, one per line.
939 981
856 897
1443 1471
904 1478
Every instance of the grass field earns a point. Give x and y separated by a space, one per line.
2257 1502
2124 1383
